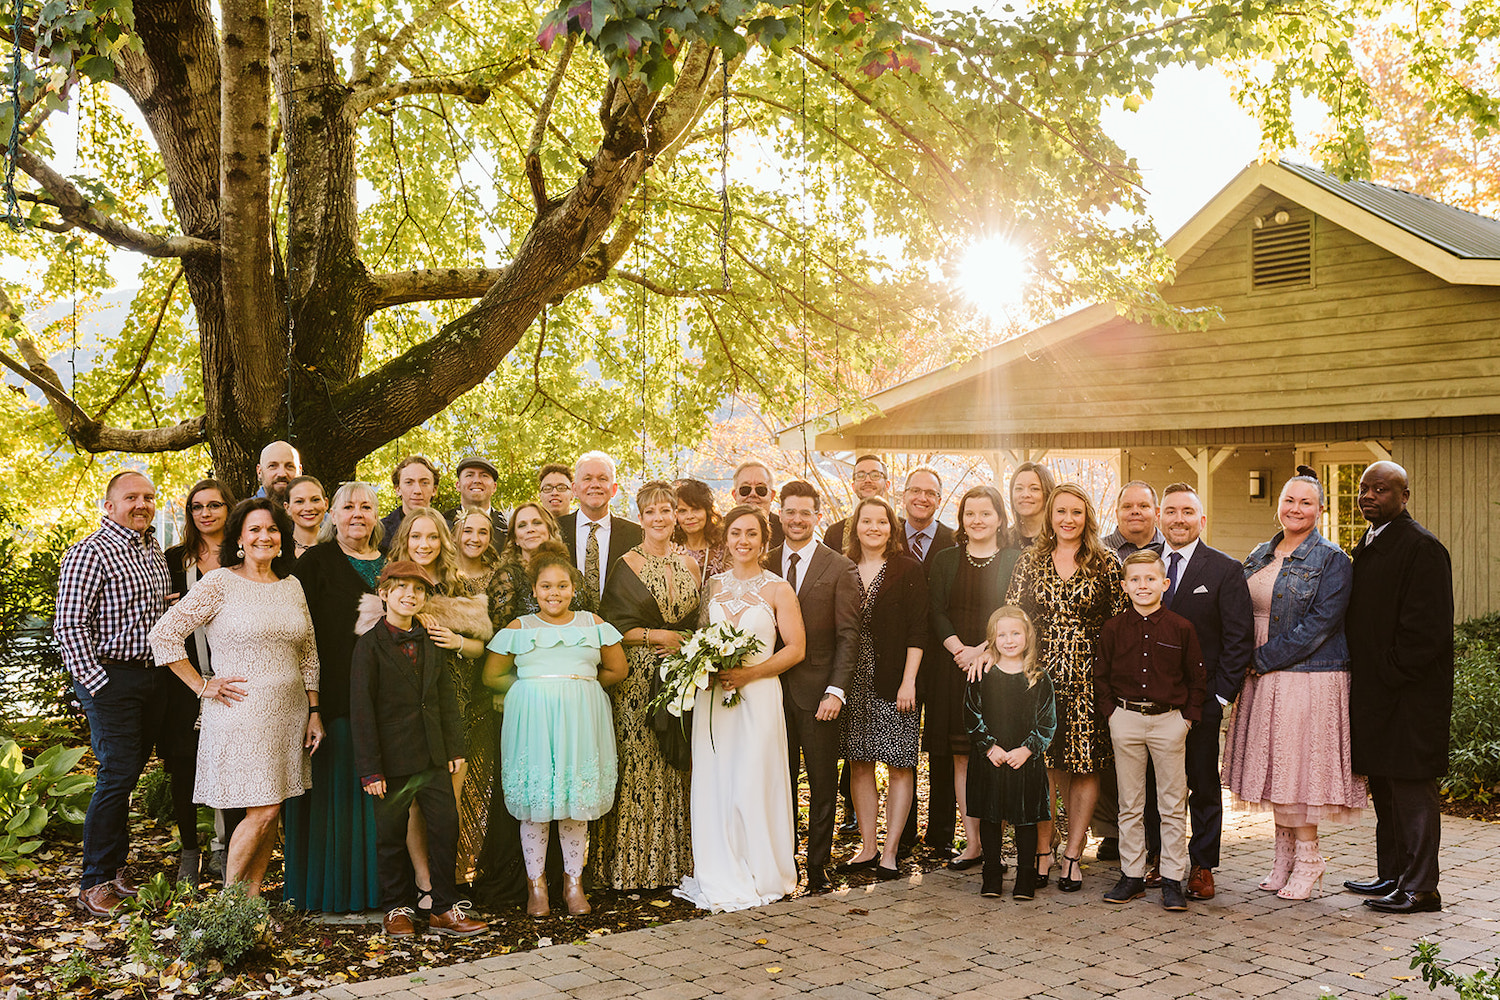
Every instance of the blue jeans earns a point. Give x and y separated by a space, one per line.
125 721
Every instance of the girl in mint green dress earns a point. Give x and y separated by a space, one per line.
557 741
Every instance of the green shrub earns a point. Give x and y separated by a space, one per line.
32 798
1474 754
33 683
226 926
154 795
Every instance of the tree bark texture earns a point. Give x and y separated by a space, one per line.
206 93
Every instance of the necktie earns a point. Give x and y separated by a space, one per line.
591 561
1174 560
917 543
791 571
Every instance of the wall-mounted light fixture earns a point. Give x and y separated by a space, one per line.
1258 480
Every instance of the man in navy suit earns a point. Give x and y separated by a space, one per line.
1207 587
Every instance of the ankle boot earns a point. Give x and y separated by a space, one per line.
1307 870
537 903
578 903
1282 869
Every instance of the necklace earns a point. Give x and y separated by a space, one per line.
980 564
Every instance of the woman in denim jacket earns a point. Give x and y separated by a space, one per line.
1288 747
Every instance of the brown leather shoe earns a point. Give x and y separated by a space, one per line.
1200 883
398 923
99 900
1153 871
122 885
455 923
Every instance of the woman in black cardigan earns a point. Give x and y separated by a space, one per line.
330 831
880 719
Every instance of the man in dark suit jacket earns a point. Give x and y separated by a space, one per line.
1207 587
1400 631
477 479
868 480
594 487
813 692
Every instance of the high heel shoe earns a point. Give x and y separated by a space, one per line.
537 903
1066 884
1046 873
1281 870
578 903
1307 871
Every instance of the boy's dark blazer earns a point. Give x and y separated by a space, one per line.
404 715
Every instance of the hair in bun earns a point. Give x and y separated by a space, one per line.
1306 474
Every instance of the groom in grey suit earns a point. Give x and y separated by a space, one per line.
813 692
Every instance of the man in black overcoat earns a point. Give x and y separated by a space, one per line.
1400 632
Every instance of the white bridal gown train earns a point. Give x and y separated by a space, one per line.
744 838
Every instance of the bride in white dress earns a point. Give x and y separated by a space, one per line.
743 816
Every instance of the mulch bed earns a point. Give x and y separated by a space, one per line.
48 948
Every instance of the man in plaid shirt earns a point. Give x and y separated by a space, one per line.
111 590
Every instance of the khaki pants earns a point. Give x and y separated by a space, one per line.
1160 739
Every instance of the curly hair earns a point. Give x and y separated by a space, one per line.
696 494
1093 556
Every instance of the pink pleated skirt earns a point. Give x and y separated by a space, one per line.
1288 749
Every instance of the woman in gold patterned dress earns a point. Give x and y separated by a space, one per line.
1070 586
652 598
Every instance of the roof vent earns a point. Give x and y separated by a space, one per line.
1281 255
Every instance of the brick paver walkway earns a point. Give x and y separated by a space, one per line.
934 936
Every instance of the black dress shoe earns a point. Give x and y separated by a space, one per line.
854 866
1374 887
817 880
887 874
964 864
850 825
1401 901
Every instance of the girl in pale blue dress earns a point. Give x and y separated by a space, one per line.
557 741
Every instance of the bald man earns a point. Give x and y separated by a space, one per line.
1400 632
280 463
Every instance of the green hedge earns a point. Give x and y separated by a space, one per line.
1474 756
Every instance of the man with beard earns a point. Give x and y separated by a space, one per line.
279 465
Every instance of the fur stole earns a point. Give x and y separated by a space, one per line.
469 616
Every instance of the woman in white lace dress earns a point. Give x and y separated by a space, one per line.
260 708
742 813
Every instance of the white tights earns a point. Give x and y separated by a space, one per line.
572 833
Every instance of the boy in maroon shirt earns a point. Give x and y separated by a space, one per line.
1149 682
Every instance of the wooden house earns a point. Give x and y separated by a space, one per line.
1355 322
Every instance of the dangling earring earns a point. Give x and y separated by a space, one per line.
240 552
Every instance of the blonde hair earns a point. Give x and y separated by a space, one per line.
1030 666
1093 556
445 567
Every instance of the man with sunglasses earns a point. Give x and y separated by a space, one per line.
754 485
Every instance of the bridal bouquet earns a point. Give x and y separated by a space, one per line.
692 668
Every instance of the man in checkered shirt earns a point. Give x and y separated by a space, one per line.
111 589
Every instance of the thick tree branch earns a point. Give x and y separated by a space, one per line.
459 86
430 284
392 54
84 431
539 130
77 210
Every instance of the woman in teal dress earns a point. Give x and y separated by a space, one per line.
557 740
330 831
